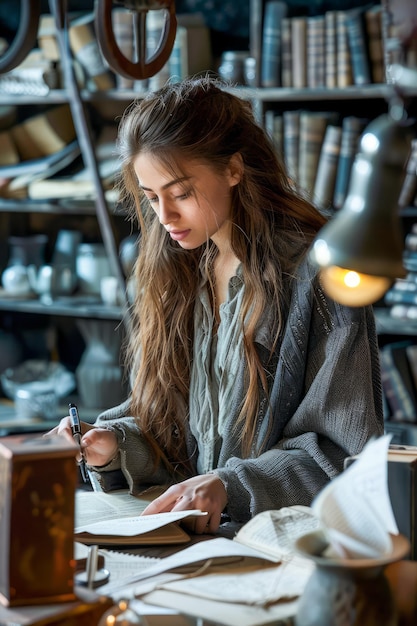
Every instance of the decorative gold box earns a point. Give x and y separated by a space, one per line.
38 477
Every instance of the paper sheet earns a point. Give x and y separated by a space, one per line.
355 508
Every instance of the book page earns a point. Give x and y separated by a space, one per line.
93 505
191 558
274 532
247 585
137 525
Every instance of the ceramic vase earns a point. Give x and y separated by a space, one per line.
347 592
99 374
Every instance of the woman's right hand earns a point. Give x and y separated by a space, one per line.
98 445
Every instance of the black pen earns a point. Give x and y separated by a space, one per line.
76 433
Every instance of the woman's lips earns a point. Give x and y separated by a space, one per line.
179 235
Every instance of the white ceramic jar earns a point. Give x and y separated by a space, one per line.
92 265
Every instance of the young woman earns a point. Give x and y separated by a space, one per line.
249 385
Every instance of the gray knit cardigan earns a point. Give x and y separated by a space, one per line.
326 403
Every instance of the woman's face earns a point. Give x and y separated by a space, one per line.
192 208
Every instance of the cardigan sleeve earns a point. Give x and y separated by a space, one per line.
134 466
326 402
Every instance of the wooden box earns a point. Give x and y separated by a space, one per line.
38 477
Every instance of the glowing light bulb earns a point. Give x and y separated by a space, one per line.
353 288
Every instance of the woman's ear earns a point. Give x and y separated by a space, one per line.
236 168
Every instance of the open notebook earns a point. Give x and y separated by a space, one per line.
115 519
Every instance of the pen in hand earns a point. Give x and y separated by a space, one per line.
76 433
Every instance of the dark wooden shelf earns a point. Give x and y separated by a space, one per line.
59 207
70 307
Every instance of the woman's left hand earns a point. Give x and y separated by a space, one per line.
205 492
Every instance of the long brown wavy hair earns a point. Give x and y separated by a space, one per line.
201 120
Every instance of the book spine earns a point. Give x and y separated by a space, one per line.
409 188
271 44
396 393
255 36
286 55
299 51
291 134
274 126
356 35
331 49
351 129
315 46
312 130
344 69
327 167
373 26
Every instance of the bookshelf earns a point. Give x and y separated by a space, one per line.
347 96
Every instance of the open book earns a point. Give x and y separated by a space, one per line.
115 519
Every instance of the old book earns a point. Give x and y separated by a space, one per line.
274 127
344 68
327 167
411 351
351 129
299 52
44 134
85 49
286 53
397 382
47 38
358 47
271 44
291 134
122 22
331 49
29 171
402 485
8 151
315 44
121 523
409 188
311 134
373 25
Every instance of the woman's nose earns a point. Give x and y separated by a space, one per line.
167 212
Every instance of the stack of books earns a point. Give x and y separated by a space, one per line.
336 49
318 148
